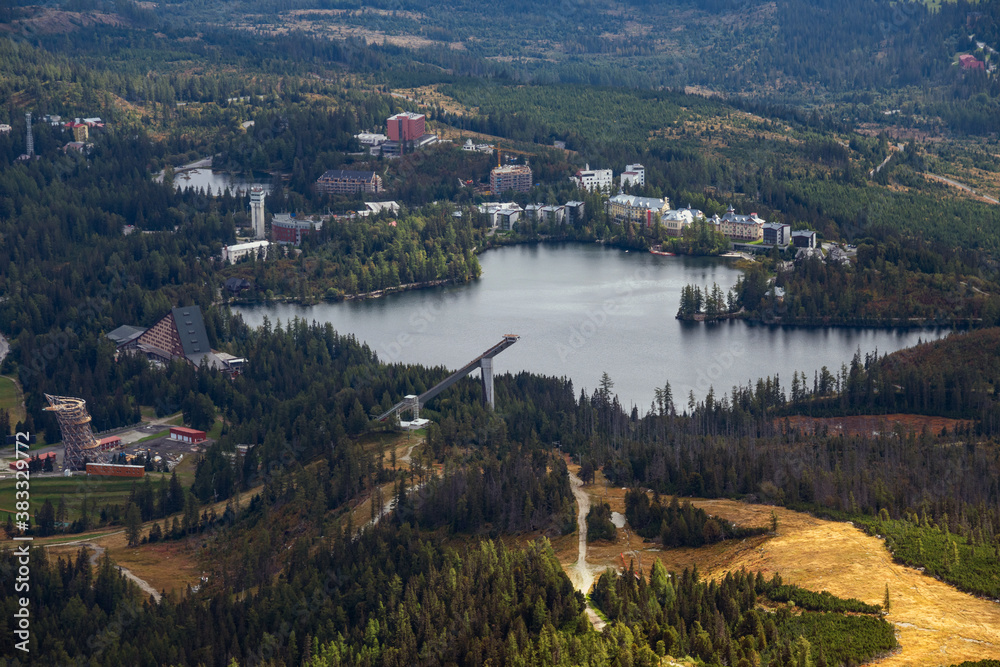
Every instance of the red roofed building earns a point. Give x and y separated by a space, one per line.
110 442
188 435
970 62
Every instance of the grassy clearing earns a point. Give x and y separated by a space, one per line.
160 434
11 399
98 491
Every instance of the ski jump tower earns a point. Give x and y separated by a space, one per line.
483 362
74 424
257 211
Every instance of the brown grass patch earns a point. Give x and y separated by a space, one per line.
935 623
874 424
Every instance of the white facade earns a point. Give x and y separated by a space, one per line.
371 138
479 148
257 195
634 174
497 212
594 179
236 252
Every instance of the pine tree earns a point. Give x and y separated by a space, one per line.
133 525
886 602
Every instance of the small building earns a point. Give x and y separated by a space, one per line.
477 148
593 179
191 436
5 128
376 207
804 238
553 215
111 442
507 218
115 470
575 211
78 146
345 182
237 251
371 139
42 459
634 174
287 229
494 210
236 285
125 336
971 62
776 233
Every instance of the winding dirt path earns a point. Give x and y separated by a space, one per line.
581 574
98 550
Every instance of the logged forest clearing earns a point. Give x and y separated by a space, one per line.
935 623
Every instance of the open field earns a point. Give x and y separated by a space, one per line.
11 399
935 623
99 491
870 425
166 566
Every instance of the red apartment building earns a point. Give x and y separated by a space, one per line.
406 126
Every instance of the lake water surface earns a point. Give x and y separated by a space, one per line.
584 309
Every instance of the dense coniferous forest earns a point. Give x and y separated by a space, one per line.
720 622
823 91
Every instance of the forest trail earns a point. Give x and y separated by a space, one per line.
581 574
98 550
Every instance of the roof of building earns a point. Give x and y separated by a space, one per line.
344 173
775 225
183 430
804 232
191 328
511 169
638 202
380 206
574 203
237 284
407 114
125 334
247 246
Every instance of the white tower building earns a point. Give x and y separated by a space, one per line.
257 211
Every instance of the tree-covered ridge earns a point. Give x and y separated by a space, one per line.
390 597
527 490
893 280
723 623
